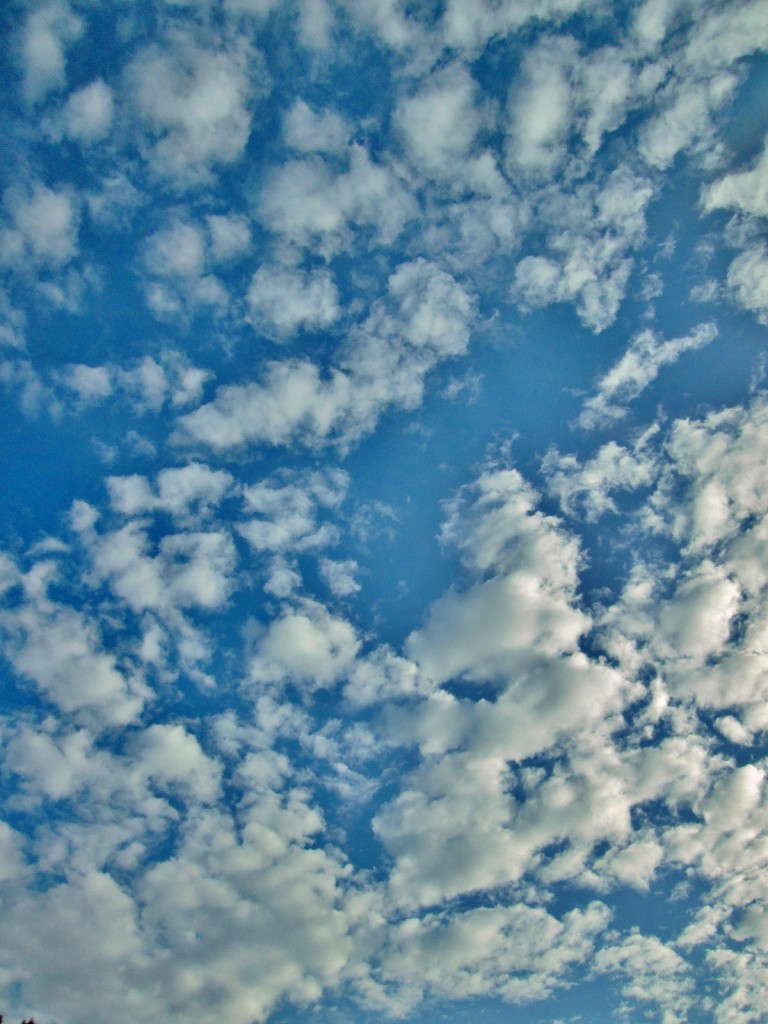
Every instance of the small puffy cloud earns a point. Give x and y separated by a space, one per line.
589 236
306 203
540 109
685 119
230 236
439 122
586 488
340 576
746 191
86 116
307 646
175 251
60 650
172 757
516 953
195 103
654 973
748 279
307 131
91 384
636 369
435 311
284 513
190 570
292 398
41 48
186 492
43 228
426 317
284 300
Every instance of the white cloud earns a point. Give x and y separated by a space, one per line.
230 236
636 369
306 203
44 227
91 384
748 278
186 493
175 251
655 973
285 512
685 118
586 488
87 114
308 131
195 103
340 576
440 121
426 317
307 646
540 108
519 953
60 650
42 45
190 570
284 300
590 233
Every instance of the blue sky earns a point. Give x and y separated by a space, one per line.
383 565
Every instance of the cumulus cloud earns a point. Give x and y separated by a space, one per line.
586 488
748 277
186 493
589 240
426 318
307 646
41 48
283 300
636 370
195 106
306 203
283 513
309 131
42 228
87 115
440 122
61 652
540 109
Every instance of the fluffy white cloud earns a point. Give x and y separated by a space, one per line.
306 203
540 109
61 651
190 570
586 489
308 131
87 114
306 646
195 104
590 234
283 513
519 953
440 122
655 973
283 300
744 190
186 493
636 369
42 45
230 236
426 317
43 228
685 118
748 277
